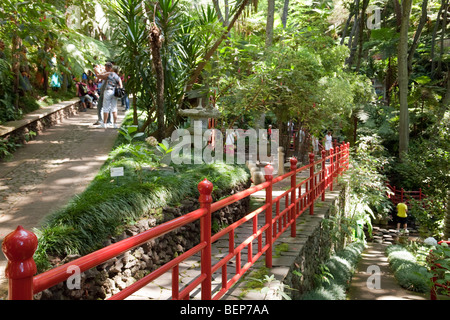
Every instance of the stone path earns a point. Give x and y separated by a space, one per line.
389 289
48 171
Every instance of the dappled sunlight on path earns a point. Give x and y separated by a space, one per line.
47 172
374 263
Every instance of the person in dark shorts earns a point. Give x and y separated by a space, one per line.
402 216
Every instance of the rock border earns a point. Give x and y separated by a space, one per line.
118 273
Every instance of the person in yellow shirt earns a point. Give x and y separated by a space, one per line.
402 216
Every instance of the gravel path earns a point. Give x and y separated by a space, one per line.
47 172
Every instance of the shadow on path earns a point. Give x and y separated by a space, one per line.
364 287
48 171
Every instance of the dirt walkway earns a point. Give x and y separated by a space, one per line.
374 263
47 172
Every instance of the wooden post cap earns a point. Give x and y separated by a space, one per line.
19 247
205 188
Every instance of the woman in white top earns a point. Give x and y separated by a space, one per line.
328 141
109 100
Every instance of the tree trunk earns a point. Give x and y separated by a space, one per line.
443 35
388 81
135 114
403 78
398 13
353 34
444 105
423 20
355 128
446 100
16 45
45 66
344 32
433 38
362 22
269 25
285 13
155 43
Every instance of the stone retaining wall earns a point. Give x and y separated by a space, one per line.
118 273
296 260
316 244
20 129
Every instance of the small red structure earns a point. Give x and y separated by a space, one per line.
400 195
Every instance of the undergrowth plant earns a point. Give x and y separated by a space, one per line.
409 273
438 262
367 198
416 263
335 274
7 147
105 207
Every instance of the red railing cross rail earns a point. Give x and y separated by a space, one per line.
400 195
20 245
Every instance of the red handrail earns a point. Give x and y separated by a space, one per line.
401 195
20 245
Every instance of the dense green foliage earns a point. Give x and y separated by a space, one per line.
336 274
108 204
409 273
368 176
42 39
317 74
414 265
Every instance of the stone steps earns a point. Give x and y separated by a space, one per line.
384 235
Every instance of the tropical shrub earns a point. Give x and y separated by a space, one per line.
440 255
428 215
409 273
108 204
339 268
367 183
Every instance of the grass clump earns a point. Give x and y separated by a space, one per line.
108 204
335 274
410 274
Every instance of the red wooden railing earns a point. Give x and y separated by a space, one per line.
400 195
20 245
435 285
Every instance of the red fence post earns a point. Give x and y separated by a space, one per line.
268 170
338 160
347 155
205 188
293 162
19 247
324 174
311 189
395 195
331 168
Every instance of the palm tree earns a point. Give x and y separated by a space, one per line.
133 55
